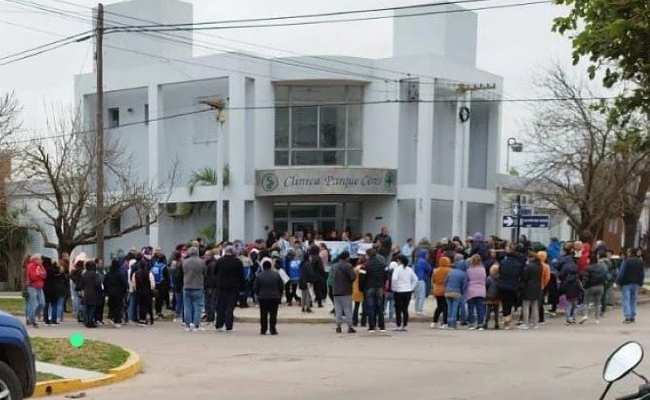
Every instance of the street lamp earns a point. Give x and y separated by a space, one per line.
516 147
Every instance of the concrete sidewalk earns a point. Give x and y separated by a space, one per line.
67 372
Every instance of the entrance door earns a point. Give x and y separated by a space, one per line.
300 228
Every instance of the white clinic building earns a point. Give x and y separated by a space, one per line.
307 143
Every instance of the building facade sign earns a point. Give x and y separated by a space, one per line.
319 181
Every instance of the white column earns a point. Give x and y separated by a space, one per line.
457 219
154 100
424 162
236 155
465 159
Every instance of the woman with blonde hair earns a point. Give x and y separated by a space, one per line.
476 278
357 294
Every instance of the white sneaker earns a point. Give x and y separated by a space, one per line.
444 326
523 327
433 325
583 320
118 325
471 328
201 328
192 327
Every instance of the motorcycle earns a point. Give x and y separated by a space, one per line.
621 363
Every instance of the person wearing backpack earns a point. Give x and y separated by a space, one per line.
161 276
594 284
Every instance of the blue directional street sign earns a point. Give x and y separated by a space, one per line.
527 221
535 221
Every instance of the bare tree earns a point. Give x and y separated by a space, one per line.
9 119
57 175
573 160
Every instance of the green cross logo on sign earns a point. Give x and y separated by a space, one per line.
389 180
269 182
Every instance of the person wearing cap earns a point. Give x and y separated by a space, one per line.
343 277
230 281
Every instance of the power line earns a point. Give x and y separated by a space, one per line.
333 104
199 26
44 48
318 15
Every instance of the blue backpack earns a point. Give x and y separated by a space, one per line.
157 271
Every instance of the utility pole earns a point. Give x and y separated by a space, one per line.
99 131
461 154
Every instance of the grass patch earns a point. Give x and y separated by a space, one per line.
92 356
44 376
12 306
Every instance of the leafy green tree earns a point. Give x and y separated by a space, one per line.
614 36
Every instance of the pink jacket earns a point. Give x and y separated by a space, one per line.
476 282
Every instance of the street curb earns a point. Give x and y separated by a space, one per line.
129 369
331 319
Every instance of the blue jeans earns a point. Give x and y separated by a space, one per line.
89 317
51 314
420 295
374 298
133 307
572 308
193 303
60 306
476 306
463 310
452 309
35 303
179 309
389 306
76 303
628 294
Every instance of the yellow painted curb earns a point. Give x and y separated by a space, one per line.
129 369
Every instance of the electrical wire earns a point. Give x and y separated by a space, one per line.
332 104
199 26
44 48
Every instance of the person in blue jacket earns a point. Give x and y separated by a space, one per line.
455 288
423 272
292 268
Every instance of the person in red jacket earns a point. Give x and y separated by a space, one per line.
36 275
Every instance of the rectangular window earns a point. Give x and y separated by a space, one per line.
146 114
318 125
305 127
113 117
282 127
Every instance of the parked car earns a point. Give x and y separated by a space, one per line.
17 364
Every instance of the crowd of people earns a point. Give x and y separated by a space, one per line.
475 283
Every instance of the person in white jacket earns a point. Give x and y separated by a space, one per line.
403 282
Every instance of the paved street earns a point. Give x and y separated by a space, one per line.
311 361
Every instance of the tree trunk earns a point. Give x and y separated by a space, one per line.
630 222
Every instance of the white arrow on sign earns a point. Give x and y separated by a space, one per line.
508 221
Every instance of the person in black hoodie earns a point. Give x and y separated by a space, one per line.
54 291
144 291
510 271
307 278
372 279
92 293
268 288
210 286
75 283
115 287
230 281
